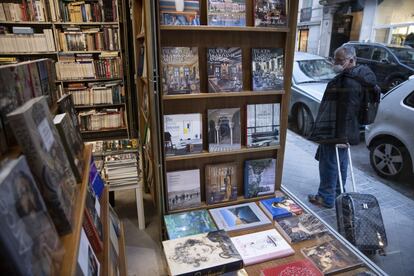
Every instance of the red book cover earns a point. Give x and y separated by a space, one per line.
92 233
302 268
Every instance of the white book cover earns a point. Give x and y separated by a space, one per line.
88 264
262 246
263 123
183 189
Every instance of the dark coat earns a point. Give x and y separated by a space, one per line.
337 119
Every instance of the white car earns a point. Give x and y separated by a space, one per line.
390 138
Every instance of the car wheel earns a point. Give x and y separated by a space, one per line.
389 159
304 120
394 82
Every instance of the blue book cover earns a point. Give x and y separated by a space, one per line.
259 177
280 207
188 223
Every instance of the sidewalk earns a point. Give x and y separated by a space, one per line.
301 177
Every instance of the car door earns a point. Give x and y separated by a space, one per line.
383 65
364 53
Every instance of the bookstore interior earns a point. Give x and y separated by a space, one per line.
182 101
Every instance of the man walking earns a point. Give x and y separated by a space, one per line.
337 122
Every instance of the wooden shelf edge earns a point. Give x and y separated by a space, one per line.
225 28
25 23
28 53
89 80
98 106
86 23
103 130
105 265
71 241
223 94
122 253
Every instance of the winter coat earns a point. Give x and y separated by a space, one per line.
337 118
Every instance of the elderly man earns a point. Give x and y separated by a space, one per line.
337 122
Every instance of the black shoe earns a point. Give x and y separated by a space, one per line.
318 200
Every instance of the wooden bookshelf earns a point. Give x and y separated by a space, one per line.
86 23
98 106
222 95
90 80
34 23
122 253
204 28
106 220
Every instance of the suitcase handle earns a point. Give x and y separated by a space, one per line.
348 147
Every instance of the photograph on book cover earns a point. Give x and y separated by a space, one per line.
183 189
270 13
300 228
263 123
226 13
259 177
221 182
267 69
179 12
224 130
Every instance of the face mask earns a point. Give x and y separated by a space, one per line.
338 68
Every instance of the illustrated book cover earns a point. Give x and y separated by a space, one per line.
29 243
267 69
300 228
180 70
202 254
262 246
226 13
183 134
183 188
259 177
280 207
224 68
40 142
301 267
183 12
188 224
238 217
221 182
224 130
66 105
331 257
270 13
88 264
263 125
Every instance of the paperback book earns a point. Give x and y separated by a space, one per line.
66 105
267 69
259 177
300 228
87 264
280 207
226 13
270 13
183 188
238 217
188 224
221 183
183 134
262 246
263 125
180 70
224 68
184 12
203 254
224 130
299 268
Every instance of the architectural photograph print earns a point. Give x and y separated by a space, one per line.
183 188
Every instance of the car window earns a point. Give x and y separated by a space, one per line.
410 100
404 55
363 51
314 70
380 54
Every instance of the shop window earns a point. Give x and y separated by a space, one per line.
303 40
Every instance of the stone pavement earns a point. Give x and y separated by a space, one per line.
301 177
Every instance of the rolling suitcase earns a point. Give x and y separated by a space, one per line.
359 215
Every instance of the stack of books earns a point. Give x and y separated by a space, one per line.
121 169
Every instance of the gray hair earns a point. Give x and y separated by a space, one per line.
348 50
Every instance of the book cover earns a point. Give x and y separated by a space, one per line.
259 177
65 105
203 254
180 70
224 130
221 182
267 69
237 217
95 179
331 257
72 142
263 125
182 12
261 246
301 267
270 13
87 264
183 188
300 228
92 224
280 207
29 243
226 13
188 223
224 68
183 134
40 142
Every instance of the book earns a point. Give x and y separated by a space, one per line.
261 246
180 70
95 179
72 142
221 182
226 13
66 105
300 228
331 257
280 207
224 69
263 125
183 12
183 134
87 264
270 13
224 130
202 254
183 188
267 69
92 224
188 223
40 142
259 177
29 243
301 267
238 217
